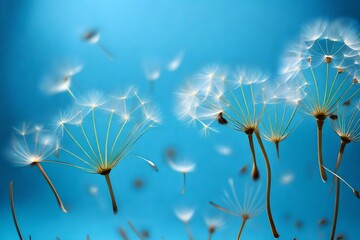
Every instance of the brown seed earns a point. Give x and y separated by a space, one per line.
323 222
243 170
221 119
340 70
170 153
356 193
328 59
333 117
340 237
145 233
138 183
298 224
347 103
309 59
355 80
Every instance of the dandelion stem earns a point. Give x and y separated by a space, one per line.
336 208
184 184
188 230
88 141
113 201
95 133
61 205
107 52
13 211
71 93
107 137
136 231
277 143
320 123
268 185
241 228
117 137
255 172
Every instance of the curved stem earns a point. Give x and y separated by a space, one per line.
241 228
13 211
336 208
320 123
338 162
184 184
113 201
255 172
58 199
268 185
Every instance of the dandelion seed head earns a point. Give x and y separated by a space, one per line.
184 214
35 146
182 166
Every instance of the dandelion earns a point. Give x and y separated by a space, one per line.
31 151
213 224
183 167
213 98
185 215
123 120
281 103
152 73
174 64
13 211
62 82
251 206
93 37
325 65
347 127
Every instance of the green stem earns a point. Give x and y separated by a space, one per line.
268 185
184 184
95 133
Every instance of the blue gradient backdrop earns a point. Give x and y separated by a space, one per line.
36 36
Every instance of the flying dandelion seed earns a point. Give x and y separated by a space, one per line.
287 178
325 65
32 151
212 94
93 37
213 224
251 206
93 190
281 102
62 82
185 215
347 127
104 131
152 73
183 167
224 150
174 64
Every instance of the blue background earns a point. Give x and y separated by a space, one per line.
37 36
